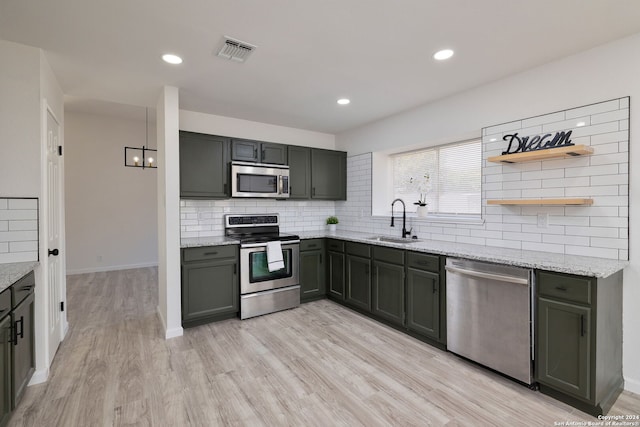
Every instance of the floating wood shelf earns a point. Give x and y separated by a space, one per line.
541 202
548 153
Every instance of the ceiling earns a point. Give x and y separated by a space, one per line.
378 53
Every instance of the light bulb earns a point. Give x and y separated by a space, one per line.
136 160
150 161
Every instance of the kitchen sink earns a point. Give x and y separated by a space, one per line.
389 239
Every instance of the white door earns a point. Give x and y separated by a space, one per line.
54 273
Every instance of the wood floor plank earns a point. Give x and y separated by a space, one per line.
317 365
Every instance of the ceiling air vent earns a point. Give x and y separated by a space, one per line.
235 49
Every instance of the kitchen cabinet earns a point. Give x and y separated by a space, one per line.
579 339
204 166
6 344
328 174
299 172
358 291
335 269
245 150
210 287
312 270
23 336
388 284
424 295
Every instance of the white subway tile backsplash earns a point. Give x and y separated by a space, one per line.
563 239
4 247
545 119
592 231
606 138
18 229
544 174
544 247
27 246
608 221
592 109
591 251
511 244
522 237
565 182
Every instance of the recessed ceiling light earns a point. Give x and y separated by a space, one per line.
443 54
172 59
343 101
580 124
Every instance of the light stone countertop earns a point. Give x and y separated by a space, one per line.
13 271
572 264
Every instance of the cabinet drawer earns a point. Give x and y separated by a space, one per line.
5 302
22 289
359 249
209 252
423 261
335 245
570 288
393 256
311 245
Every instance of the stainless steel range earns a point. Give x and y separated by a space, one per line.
264 290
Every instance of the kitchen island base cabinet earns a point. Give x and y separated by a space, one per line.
210 288
579 339
312 270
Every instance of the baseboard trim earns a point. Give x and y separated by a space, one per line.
39 376
168 333
632 385
71 272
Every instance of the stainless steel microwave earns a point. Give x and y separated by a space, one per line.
259 180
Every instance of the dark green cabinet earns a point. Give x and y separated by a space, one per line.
259 152
203 166
335 269
424 296
388 286
579 339
210 287
312 270
358 291
328 174
299 172
23 357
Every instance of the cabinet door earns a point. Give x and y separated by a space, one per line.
203 166
388 291
563 350
299 172
312 274
209 289
5 370
328 174
23 356
273 153
244 150
335 265
359 282
423 302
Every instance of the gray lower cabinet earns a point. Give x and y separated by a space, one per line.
210 287
312 270
204 166
424 295
335 269
328 174
579 339
358 290
6 344
388 287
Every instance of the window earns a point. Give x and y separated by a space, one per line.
447 177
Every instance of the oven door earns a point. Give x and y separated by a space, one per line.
259 181
254 272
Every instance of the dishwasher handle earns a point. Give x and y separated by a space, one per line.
499 277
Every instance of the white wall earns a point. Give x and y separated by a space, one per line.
111 210
606 72
228 126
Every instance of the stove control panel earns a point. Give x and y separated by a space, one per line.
232 221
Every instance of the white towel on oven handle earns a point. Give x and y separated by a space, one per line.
274 256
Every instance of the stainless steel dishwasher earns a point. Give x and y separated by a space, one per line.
489 316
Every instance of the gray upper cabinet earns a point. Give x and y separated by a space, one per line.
203 166
246 150
328 174
299 172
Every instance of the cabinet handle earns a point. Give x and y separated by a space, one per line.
582 331
561 288
26 288
15 330
435 289
263 154
211 253
422 263
313 246
235 269
255 153
224 188
21 327
313 191
320 258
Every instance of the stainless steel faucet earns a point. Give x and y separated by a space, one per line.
405 233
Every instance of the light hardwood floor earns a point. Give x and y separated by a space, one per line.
317 365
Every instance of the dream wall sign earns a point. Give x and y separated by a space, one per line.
522 144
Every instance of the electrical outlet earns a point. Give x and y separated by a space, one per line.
543 220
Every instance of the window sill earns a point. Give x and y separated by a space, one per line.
450 219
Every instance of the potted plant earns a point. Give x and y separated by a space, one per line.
422 186
331 223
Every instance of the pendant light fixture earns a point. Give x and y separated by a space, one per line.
145 158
